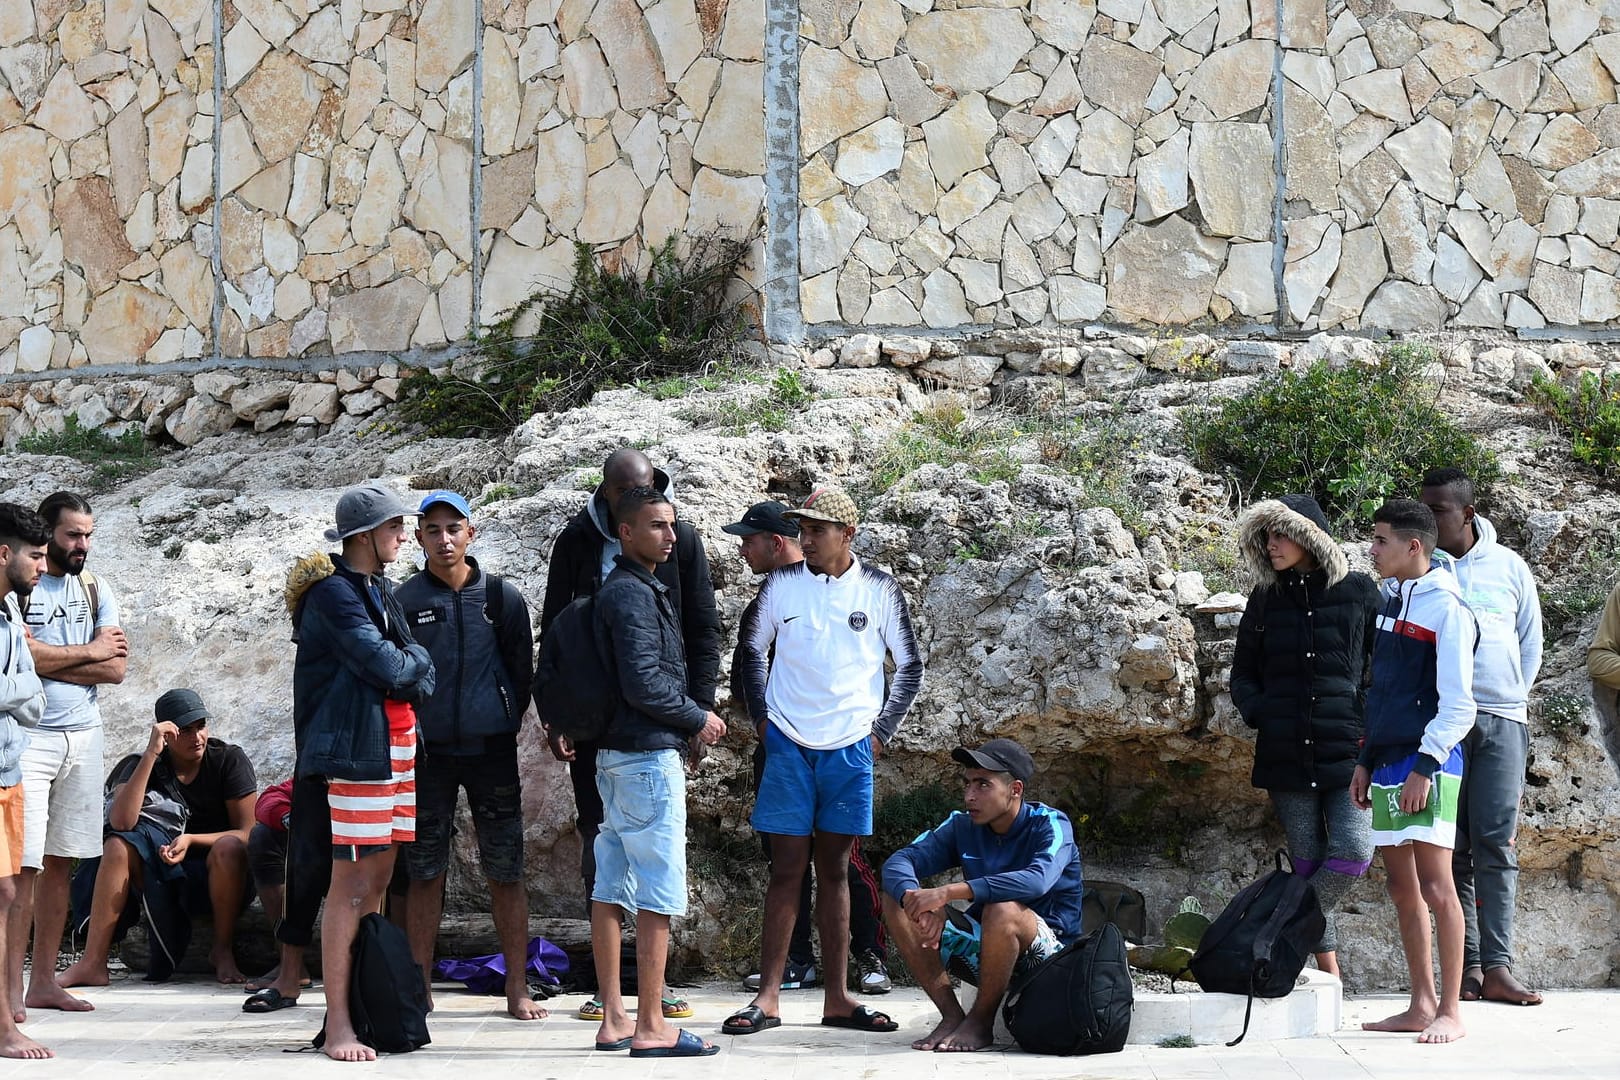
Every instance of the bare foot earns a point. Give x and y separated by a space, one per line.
19 1016
1500 985
1445 1029
84 973
48 995
350 1049
259 982
1412 1019
225 969
938 1035
18 1045
523 1007
968 1037
1473 982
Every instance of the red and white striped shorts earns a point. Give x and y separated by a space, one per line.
376 813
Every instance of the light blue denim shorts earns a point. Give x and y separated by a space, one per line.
641 848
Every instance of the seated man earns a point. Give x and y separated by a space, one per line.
1023 881
179 813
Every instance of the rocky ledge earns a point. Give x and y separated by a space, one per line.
1074 615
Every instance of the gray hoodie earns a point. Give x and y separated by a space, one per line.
22 699
1501 592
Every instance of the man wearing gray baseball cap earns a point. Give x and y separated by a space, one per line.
356 675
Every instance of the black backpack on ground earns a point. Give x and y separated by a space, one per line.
1259 944
576 691
1077 1002
387 998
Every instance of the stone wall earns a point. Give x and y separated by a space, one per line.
217 179
185 179
1441 163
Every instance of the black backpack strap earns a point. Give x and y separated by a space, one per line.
1293 890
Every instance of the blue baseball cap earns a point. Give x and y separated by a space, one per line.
448 498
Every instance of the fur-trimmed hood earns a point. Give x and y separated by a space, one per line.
1276 516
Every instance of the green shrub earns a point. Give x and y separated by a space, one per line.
116 457
1589 414
1350 437
1563 714
607 329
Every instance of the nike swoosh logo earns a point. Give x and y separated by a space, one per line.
790 618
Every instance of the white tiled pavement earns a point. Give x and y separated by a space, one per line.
196 1030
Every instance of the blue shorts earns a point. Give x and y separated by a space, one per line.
641 848
807 791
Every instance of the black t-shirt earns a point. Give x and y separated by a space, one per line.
226 774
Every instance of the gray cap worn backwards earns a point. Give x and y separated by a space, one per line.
363 508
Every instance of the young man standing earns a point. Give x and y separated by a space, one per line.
641 848
821 696
23 538
77 645
1419 708
1023 880
581 560
1499 589
214 781
355 677
476 628
768 541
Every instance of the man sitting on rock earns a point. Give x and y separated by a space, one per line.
179 813
1023 884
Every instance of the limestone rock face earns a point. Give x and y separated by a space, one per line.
1233 179
1164 272
377 319
970 49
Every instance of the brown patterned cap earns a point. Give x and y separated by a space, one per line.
828 504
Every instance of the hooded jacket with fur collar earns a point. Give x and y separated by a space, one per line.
1302 653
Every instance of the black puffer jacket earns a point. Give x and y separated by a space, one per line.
1303 653
636 626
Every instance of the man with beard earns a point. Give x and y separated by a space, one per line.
77 645
23 537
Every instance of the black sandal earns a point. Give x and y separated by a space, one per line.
755 1018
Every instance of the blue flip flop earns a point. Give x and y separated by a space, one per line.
686 1045
616 1044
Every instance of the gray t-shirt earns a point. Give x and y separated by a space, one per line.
59 614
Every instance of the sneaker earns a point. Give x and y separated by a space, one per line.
874 974
795 976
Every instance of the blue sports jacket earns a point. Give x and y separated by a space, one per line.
1035 863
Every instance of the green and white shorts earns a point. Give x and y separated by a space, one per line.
1436 823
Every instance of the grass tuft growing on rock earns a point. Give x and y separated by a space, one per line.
1350 437
115 458
609 328
1589 413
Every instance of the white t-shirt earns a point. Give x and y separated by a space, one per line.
59 614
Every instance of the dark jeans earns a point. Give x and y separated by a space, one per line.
588 806
267 856
866 933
